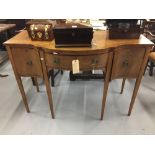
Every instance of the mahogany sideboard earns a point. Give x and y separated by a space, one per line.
35 58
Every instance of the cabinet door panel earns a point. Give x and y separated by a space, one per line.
27 61
127 61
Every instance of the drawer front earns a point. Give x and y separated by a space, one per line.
127 62
27 61
85 62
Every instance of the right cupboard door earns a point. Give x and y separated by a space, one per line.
127 61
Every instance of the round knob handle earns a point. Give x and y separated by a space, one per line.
94 61
57 61
29 62
125 63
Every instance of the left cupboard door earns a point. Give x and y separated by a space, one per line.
27 61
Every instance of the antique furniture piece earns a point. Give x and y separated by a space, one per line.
99 56
129 62
40 30
123 28
72 34
4 35
26 62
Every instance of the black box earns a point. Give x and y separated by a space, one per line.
123 29
72 35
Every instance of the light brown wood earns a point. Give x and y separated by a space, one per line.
19 56
48 88
87 62
125 63
133 69
99 42
138 80
106 83
27 60
18 79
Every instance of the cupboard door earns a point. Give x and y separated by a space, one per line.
27 61
127 61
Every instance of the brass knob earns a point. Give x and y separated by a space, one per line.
125 63
29 62
57 61
94 61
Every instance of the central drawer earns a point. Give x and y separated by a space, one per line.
86 62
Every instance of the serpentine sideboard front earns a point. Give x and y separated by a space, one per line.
35 58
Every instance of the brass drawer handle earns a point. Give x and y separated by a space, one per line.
29 63
94 61
125 63
57 61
